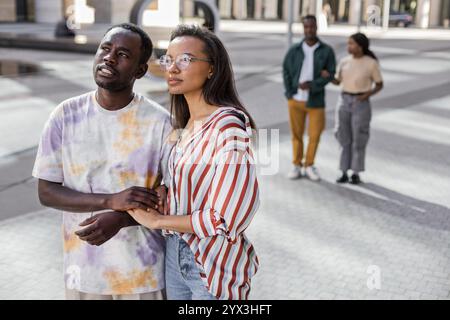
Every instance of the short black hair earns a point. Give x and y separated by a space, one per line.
309 17
146 42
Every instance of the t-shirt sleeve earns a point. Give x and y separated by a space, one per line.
338 75
48 164
376 73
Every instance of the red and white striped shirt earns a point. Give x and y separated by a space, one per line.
213 179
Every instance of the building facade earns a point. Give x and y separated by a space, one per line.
426 13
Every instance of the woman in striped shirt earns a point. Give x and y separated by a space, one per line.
213 190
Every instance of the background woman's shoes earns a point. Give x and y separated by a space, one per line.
343 178
355 179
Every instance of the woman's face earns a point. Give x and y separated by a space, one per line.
353 47
193 77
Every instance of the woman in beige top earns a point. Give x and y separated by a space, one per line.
357 73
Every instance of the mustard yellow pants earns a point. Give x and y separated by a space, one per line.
298 112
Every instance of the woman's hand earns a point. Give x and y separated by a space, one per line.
364 97
149 218
326 75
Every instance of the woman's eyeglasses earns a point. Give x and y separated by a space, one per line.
182 61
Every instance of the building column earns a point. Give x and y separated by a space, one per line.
435 13
423 13
341 10
240 9
8 11
271 9
354 12
188 8
48 11
309 7
296 8
258 9
318 8
225 8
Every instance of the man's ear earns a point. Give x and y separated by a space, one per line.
143 67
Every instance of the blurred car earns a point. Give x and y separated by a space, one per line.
400 19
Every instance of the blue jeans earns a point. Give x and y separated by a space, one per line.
183 280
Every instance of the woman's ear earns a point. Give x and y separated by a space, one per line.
210 72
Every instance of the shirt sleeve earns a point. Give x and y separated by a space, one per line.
338 75
376 73
233 194
166 147
48 164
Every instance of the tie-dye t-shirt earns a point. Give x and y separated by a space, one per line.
93 150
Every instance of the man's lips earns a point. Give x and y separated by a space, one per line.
106 71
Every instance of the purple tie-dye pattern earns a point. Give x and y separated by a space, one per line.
147 257
51 139
93 255
145 155
155 243
75 115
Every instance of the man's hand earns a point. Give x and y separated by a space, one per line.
162 205
102 227
133 198
324 74
304 86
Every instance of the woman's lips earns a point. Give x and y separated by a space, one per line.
173 82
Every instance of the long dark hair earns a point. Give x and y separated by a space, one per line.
220 90
364 43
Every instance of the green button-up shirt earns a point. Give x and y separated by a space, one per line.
324 59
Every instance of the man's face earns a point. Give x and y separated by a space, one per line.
117 61
310 29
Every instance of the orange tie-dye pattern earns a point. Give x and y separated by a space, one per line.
128 178
77 169
152 181
130 136
71 241
121 284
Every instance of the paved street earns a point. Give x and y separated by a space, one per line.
388 238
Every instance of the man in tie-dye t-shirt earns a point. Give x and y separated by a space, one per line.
106 152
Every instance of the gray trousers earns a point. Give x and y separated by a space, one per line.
352 131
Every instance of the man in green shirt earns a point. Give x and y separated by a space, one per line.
305 91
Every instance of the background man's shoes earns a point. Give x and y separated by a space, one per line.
355 179
296 173
343 178
312 174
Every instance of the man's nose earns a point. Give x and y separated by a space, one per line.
110 58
